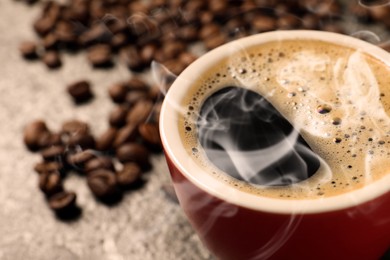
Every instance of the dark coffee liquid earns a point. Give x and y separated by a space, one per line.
247 138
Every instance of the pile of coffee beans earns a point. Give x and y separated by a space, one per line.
142 31
113 162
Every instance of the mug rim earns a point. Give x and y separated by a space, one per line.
175 150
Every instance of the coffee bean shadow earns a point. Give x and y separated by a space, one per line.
137 185
112 200
106 65
69 215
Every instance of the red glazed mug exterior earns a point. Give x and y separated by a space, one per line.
239 226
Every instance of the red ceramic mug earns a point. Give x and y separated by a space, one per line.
239 225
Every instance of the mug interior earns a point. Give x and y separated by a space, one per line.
174 147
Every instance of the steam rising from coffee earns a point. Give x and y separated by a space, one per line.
246 137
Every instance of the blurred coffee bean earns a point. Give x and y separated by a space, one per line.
52 59
147 53
140 112
50 183
80 91
137 84
102 183
188 33
133 152
215 41
172 49
117 116
150 133
134 96
128 133
310 22
118 41
62 201
98 33
100 56
187 58
118 92
64 31
209 30
50 42
44 25
132 58
99 162
80 158
129 175
288 22
74 126
47 167
106 141
81 141
264 23
53 153
28 49
33 133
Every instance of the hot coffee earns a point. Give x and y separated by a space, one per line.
295 119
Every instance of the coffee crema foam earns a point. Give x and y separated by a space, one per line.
337 97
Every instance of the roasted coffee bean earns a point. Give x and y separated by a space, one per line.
172 49
188 33
174 66
133 152
100 55
47 167
62 201
218 7
52 59
215 41
80 91
53 153
79 159
310 22
264 23
118 41
147 53
140 112
98 33
81 141
131 57
134 96
50 183
102 183
28 49
33 134
100 162
74 126
117 116
106 140
50 42
187 58
128 133
65 33
137 84
288 22
206 18
150 133
44 25
129 175
209 30
118 92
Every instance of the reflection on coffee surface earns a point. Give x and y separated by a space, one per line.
291 119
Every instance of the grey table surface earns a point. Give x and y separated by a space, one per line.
145 225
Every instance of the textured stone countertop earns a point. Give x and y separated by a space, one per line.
146 224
